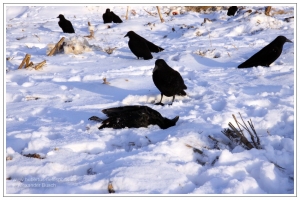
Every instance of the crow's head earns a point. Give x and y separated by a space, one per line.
60 16
130 34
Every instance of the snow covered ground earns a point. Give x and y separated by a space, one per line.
47 110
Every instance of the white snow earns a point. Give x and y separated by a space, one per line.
47 110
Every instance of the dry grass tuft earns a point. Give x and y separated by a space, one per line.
90 171
133 12
8 157
279 12
197 8
35 155
196 150
198 33
28 98
152 14
206 53
237 137
105 81
110 50
110 187
203 8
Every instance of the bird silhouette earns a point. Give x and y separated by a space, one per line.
141 47
107 16
65 24
231 10
110 16
266 55
167 80
134 116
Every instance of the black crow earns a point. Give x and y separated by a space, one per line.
116 18
167 80
107 16
138 46
133 117
231 10
65 24
266 55
141 47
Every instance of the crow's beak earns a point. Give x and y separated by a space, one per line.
126 35
287 40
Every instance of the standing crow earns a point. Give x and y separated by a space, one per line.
107 16
231 10
266 55
167 80
110 16
65 24
141 47
133 117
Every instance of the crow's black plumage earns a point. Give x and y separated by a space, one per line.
65 24
152 47
109 17
116 18
138 46
266 55
141 47
133 117
167 80
231 10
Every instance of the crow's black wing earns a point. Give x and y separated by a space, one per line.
115 111
127 116
169 82
70 28
116 18
152 47
107 18
264 57
139 48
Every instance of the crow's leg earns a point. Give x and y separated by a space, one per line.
160 103
172 100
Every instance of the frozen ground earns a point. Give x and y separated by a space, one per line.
47 110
